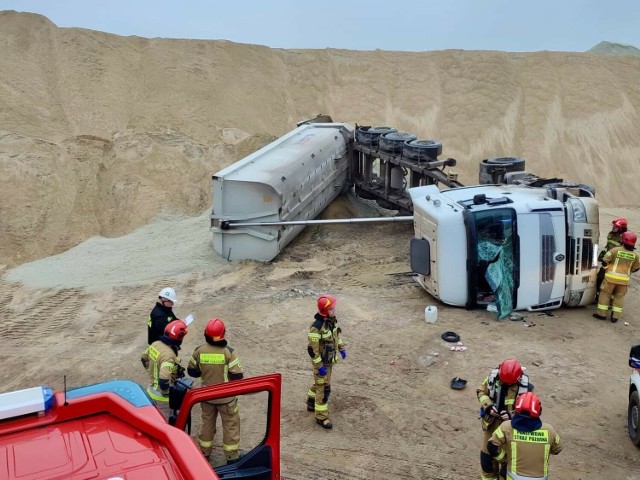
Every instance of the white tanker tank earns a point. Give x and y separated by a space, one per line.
293 178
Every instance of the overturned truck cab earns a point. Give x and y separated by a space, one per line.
516 246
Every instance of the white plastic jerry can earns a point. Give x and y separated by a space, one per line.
431 314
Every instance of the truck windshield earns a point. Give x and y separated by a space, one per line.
492 236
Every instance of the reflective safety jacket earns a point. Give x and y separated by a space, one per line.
526 453
620 263
162 369
214 364
325 341
491 393
614 239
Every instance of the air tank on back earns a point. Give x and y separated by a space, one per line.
493 170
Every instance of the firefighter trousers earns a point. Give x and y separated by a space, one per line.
489 468
608 291
229 413
319 393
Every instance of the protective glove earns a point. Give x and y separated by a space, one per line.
145 363
179 371
343 353
322 371
492 410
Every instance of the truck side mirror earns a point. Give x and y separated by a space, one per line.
419 252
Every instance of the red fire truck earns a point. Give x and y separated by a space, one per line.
112 430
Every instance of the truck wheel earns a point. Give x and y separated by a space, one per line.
422 150
633 422
394 141
369 135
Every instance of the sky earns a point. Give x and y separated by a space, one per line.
418 25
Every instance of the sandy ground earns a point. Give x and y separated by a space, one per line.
82 314
107 147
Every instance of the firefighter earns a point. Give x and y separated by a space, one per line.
619 262
324 346
525 442
618 227
497 395
163 364
216 362
162 314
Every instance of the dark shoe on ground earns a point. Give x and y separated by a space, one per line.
325 423
599 317
310 408
614 320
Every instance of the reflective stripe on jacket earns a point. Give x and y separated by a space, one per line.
324 341
215 362
489 394
163 365
620 264
526 453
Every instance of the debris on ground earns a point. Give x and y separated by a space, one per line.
458 383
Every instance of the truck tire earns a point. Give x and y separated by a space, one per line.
633 418
394 141
368 136
422 150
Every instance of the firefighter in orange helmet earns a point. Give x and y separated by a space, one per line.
525 442
163 364
216 362
497 395
614 239
325 346
619 262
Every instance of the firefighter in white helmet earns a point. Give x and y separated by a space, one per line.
325 346
216 362
162 314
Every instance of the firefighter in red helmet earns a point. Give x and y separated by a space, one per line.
162 363
497 395
619 263
217 362
614 239
325 347
524 443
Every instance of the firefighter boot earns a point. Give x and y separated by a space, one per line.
311 405
326 423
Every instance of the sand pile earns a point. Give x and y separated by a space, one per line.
99 133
